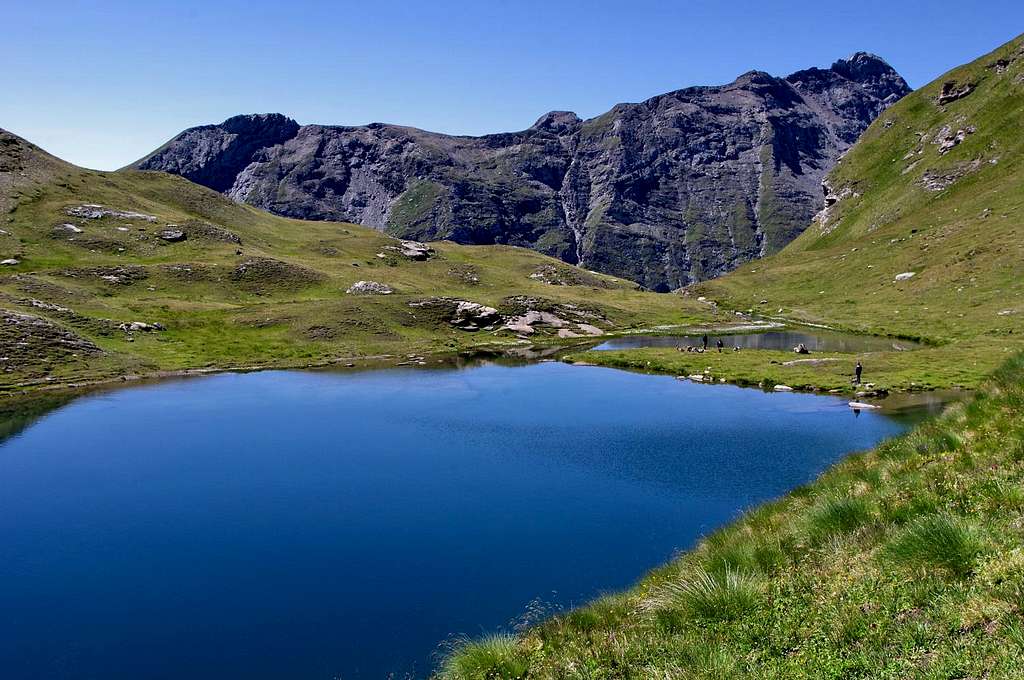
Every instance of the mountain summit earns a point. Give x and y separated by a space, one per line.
682 187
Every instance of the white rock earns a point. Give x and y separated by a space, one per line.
369 288
783 388
10 261
905 275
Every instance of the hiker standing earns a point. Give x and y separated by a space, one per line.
720 345
857 370
705 339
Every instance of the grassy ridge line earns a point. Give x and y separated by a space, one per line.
903 561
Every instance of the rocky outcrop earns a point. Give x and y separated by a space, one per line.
172 234
410 250
369 288
461 314
952 91
681 187
28 342
92 211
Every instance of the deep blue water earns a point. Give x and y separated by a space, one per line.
342 525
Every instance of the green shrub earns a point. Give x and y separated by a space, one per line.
937 541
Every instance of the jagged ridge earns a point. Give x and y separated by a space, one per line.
681 187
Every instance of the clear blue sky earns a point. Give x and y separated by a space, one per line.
101 83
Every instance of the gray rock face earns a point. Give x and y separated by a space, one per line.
679 188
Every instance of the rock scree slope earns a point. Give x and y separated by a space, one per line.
679 188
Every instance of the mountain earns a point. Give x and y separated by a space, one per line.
922 231
105 275
676 189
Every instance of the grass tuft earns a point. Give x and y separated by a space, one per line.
937 541
494 657
725 596
838 515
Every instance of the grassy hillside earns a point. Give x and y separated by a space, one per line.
244 287
905 561
911 197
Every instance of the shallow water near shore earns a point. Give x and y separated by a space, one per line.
342 525
817 341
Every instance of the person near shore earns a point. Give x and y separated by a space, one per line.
857 371
705 340
720 345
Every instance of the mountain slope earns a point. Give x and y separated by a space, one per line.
678 188
137 273
923 233
901 562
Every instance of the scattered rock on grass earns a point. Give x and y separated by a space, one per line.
369 288
952 90
93 211
171 234
412 250
556 275
67 229
462 314
137 326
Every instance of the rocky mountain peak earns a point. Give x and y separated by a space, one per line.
679 188
873 73
557 121
270 125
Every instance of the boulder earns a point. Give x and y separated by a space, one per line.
171 234
473 315
10 261
141 326
67 229
905 276
412 250
462 314
369 288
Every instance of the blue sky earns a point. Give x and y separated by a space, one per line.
102 83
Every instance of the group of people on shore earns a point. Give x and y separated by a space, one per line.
858 370
703 347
